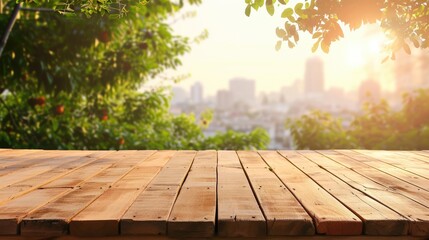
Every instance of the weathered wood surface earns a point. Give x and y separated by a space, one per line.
214 194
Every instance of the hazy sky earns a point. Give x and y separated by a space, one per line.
241 46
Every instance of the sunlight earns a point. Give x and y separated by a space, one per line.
355 57
376 45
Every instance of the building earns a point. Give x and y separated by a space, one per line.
223 99
197 93
314 79
242 91
293 92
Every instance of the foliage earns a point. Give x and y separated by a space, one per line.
319 130
377 127
72 82
404 22
256 139
113 8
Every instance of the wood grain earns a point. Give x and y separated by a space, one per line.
129 194
101 217
364 161
417 214
149 213
330 216
388 181
239 214
53 218
415 166
68 166
283 213
377 218
193 213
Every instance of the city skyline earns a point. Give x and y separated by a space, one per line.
240 46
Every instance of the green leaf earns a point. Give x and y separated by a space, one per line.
280 32
248 9
255 6
291 19
287 13
55 124
260 3
247 1
270 7
298 8
278 45
284 2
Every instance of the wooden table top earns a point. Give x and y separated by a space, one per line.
214 194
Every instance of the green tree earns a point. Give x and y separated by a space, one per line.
377 127
319 130
71 82
404 22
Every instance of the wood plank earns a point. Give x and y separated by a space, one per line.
422 153
46 164
283 213
193 213
418 155
161 237
149 213
239 214
13 156
330 216
52 219
27 160
9 220
389 182
417 214
32 158
12 213
411 165
364 161
101 217
19 188
377 218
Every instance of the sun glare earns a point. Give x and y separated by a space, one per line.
355 57
376 45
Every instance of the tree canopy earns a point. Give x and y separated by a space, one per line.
405 23
71 81
377 127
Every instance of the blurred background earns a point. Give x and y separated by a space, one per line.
194 74
237 73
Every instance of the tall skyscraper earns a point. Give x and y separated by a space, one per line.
242 90
197 93
314 80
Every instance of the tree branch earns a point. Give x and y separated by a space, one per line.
9 26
